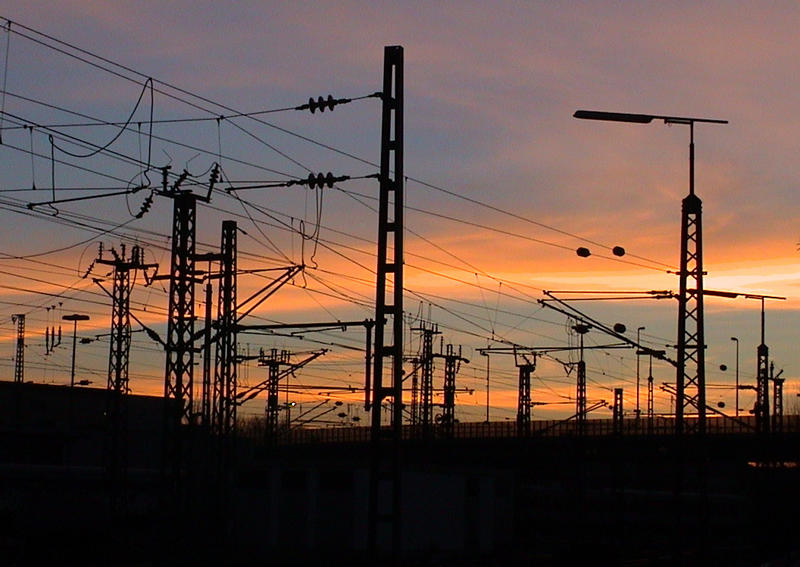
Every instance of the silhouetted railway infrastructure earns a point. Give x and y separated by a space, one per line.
106 477
742 427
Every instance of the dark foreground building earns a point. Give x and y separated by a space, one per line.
484 496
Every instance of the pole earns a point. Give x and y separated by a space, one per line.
737 378
19 360
487 387
690 382
638 358
385 477
736 340
74 336
650 412
580 396
206 392
75 317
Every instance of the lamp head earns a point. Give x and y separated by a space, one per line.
613 116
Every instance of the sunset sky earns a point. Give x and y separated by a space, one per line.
503 184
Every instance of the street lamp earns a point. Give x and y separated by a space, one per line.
762 373
75 317
736 340
640 118
691 341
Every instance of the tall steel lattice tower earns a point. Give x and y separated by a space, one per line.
19 358
526 365
118 359
690 386
223 417
273 362
425 414
179 346
580 387
119 351
180 324
384 505
524 399
452 363
690 398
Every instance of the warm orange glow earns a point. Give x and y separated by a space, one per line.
502 186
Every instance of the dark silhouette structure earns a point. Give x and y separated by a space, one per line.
452 364
223 415
19 357
385 489
525 366
119 360
511 493
690 383
424 414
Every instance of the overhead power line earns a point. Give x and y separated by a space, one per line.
65 45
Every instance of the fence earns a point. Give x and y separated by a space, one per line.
658 426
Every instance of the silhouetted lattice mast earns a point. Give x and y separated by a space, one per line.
526 364
452 364
426 386
388 358
690 384
777 398
580 386
179 344
19 358
119 356
223 414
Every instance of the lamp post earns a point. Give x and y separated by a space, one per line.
762 371
580 409
736 340
691 340
75 317
638 352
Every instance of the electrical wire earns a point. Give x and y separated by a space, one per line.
335 292
325 146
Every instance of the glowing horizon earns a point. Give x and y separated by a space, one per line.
503 184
